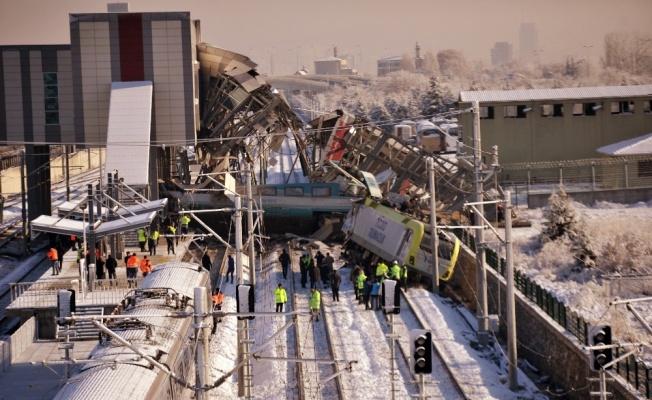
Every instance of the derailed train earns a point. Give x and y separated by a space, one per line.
117 371
391 235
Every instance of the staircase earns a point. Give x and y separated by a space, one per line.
82 330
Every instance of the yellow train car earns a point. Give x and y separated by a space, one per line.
392 235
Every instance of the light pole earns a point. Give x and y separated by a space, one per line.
82 261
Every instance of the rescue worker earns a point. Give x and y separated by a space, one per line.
145 266
381 271
315 303
152 241
326 269
142 238
315 276
395 271
218 299
354 280
73 240
185 220
281 297
169 237
360 285
53 256
305 263
132 269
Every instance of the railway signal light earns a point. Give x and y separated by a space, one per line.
390 298
600 336
421 349
244 297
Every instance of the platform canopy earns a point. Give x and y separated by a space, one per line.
70 209
67 227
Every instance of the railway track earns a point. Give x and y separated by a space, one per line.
443 379
313 342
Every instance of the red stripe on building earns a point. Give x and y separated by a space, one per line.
132 63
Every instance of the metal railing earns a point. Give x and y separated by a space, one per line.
44 294
636 372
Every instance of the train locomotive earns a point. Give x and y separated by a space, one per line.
117 371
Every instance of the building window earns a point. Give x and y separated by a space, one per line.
267 191
578 109
622 107
51 98
558 110
294 191
590 108
644 169
487 112
646 107
509 112
321 192
546 110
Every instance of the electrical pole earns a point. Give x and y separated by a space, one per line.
434 239
511 304
202 334
250 227
22 190
481 273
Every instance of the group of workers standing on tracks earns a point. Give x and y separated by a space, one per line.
367 282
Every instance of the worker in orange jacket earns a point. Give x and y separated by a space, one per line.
145 266
218 298
53 256
132 268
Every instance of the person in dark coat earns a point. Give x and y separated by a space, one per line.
336 280
99 268
326 269
206 261
366 293
111 265
315 276
284 259
319 258
231 268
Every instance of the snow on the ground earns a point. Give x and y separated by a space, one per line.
358 335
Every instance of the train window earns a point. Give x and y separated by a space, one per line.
294 191
321 191
267 191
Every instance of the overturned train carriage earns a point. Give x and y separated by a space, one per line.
391 235
117 371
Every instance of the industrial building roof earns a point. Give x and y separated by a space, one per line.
598 92
637 146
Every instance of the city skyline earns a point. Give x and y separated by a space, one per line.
291 34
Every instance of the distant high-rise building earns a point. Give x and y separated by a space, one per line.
528 42
501 54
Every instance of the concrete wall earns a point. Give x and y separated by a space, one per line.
541 341
17 343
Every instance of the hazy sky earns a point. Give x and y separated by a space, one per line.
370 29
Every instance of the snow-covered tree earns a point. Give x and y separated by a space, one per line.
437 99
563 223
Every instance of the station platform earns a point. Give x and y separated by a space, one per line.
32 366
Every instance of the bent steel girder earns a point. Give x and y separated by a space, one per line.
368 148
237 103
